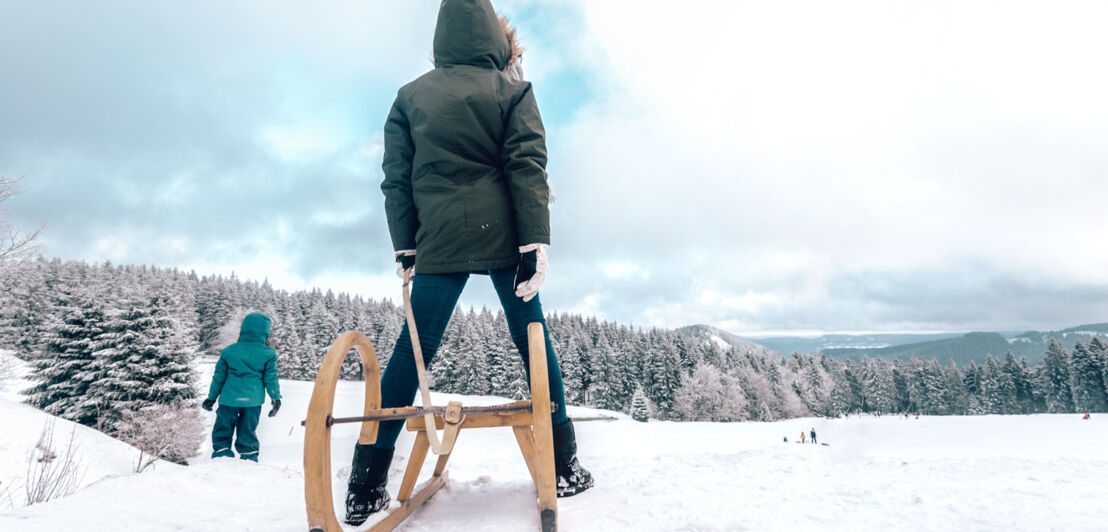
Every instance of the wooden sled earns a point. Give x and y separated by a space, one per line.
530 420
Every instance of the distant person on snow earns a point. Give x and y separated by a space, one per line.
813 434
465 193
802 437
1086 416
246 371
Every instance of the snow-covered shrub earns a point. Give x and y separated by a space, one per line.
7 367
170 432
709 394
229 332
52 473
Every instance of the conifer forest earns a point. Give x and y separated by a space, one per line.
105 339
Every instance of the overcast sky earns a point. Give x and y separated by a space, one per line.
759 166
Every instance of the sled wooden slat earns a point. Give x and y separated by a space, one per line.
415 463
530 421
527 446
409 507
542 428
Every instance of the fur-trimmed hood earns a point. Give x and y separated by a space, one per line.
514 69
469 32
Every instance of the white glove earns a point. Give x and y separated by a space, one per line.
531 271
402 259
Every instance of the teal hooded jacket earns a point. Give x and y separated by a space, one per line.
247 369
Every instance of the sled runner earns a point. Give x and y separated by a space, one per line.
530 421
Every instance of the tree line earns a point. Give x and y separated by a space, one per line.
103 339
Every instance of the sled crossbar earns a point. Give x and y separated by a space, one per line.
390 414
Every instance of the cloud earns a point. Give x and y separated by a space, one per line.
772 154
209 134
812 166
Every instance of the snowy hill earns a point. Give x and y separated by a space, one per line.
96 455
933 473
707 333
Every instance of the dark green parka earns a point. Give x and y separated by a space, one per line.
247 369
465 152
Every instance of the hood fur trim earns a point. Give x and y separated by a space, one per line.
514 68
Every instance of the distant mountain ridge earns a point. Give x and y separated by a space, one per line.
944 347
707 333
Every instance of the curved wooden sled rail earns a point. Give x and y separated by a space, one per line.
530 421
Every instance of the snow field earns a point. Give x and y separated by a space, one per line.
1041 472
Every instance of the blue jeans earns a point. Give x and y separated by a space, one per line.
434 297
238 423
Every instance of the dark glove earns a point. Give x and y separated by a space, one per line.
531 271
276 407
405 260
208 404
526 269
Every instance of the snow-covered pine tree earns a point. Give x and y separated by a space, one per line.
844 397
444 371
998 392
283 338
765 413
473 364
213 307
901 401
68 368
499 350
142 362
1099 350
971 383
576 368
812 384
1087 380
26 307
602 394
662 369
640 407
954 391
1021 384
933 386
878 391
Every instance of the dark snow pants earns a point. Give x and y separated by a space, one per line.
230 420
433 300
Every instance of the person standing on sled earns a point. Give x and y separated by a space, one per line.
246 371
465 193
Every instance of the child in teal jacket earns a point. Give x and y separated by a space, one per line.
246 371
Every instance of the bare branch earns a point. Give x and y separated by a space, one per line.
51 475
9 186
15 243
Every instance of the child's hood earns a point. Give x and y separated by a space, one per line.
469 32
255 328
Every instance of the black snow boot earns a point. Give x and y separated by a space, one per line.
571 478
367 491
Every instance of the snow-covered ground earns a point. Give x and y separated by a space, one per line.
1041 472
96 455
